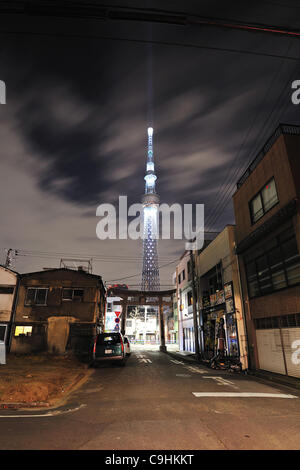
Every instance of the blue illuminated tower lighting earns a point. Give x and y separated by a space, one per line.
150 201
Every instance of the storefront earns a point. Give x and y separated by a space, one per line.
219 323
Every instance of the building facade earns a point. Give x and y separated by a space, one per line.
267 213
184 301
219 294
142 325
8 291
57 310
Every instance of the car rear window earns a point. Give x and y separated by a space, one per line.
109 338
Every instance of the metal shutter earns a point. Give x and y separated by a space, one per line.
270 353
291 337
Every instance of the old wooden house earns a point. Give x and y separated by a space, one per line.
58 310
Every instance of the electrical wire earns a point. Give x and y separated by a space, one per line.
229 178
155 42
228 193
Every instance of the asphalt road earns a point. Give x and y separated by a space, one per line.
152 403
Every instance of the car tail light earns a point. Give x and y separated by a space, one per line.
94 350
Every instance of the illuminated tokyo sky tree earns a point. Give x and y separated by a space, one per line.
150 201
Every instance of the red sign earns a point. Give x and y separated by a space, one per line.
118 314
117 320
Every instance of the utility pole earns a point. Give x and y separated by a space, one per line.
9 258
196 330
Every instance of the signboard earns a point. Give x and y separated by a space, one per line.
213 299
229 306
228 290
229 297
220 297
206 301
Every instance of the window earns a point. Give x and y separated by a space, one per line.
23 330
183 275
36 296
75 295
291 261
269 195
190 298
277 268
108 338
263 275
6 290
285 321
263 201
252 279
256 208
3 329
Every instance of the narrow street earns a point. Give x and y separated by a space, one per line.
159 402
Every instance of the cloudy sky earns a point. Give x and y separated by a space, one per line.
80 96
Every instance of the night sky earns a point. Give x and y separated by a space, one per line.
73 131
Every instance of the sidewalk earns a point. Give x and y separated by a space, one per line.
260 374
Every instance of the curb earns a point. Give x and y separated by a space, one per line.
269 377
55 403
265 376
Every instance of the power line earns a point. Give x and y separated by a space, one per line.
95 257
138 274
157 42
153 15
229 178
267 122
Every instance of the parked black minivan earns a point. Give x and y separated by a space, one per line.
109 347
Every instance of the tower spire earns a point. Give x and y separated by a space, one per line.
150 201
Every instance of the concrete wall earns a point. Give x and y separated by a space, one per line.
218 250
275 163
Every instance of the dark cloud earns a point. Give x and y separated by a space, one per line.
78 109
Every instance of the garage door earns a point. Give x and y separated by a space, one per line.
270 354
291 345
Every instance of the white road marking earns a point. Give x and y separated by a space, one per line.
50 413
221 381
176 362
183 375
195 369
145 360
242 395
